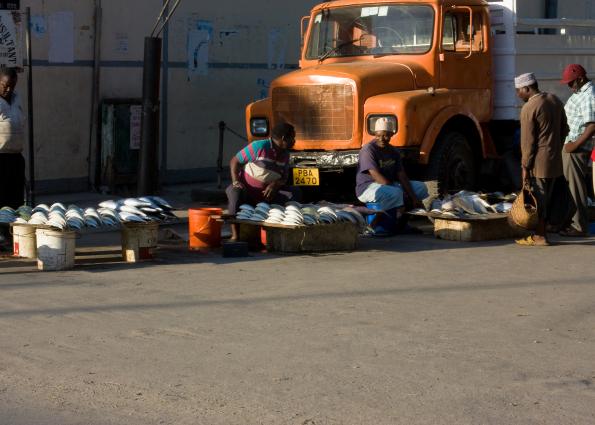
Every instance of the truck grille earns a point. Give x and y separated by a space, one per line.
323 112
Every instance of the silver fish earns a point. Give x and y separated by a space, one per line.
112 205
161 202
132 210
134 202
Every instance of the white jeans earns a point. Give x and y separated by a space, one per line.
391 196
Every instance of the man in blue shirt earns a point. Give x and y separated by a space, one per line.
381 177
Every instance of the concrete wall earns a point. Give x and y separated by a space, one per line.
247 46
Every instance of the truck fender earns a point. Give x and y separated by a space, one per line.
438 124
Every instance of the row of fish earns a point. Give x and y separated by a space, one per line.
107 214
466 204
296 214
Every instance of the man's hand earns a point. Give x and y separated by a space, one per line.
569 147
237 185
526 175
270 191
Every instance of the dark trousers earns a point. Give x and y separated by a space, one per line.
576 167
237 197
543 190
12 180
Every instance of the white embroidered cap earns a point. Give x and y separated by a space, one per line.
524 80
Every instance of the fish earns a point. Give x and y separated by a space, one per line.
132 210
465 204
135 202
161 202
41 207
125 216
112 205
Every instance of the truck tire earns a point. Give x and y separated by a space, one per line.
452 165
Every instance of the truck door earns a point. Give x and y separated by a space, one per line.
464 60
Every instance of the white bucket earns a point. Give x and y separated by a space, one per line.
139 241
24 243
55 249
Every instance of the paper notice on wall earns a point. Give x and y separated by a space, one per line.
38 26
61 29
198 49
136 112
121 42
277 45
10 40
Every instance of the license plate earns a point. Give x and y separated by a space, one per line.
306 177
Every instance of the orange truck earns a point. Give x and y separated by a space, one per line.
442 70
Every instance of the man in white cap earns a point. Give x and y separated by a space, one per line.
381 177
543 130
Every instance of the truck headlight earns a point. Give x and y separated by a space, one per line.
372 122
259 127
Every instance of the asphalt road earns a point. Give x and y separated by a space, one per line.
408 330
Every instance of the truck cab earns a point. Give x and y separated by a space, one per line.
426 65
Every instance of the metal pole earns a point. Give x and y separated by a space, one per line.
220 156
94 145
31 190
164 100
148 176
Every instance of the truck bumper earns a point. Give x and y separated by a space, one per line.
339 160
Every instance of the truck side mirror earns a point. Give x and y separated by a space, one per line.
303 28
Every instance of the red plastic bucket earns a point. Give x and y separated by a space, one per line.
204 228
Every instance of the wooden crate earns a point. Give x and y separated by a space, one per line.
318 238
476 230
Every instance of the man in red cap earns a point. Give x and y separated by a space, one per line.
580 142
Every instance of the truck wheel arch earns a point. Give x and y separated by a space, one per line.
454 118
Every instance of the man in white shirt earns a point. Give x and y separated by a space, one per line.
12 163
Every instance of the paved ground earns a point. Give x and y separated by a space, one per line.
408 330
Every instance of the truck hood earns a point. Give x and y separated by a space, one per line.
371 79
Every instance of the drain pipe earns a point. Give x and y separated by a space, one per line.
94 133
551 9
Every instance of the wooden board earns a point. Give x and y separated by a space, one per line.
475 231
470 218
317 238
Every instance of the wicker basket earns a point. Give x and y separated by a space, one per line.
524 210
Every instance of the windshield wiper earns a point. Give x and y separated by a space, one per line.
336 49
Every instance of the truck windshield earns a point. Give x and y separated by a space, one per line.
371 30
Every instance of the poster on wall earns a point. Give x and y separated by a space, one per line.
61 29
199 39
10 39
277 46
135 126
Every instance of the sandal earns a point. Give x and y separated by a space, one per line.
571 232
530 241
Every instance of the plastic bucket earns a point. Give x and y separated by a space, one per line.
204 228
384 223
24 241
139 241
55 249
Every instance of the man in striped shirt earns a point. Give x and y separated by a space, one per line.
259 172
580 111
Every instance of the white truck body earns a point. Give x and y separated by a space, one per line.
520 45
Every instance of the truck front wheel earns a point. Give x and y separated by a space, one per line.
452 165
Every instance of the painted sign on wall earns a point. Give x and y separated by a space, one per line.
10 40
10 4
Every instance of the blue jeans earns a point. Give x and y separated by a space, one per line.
391 196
